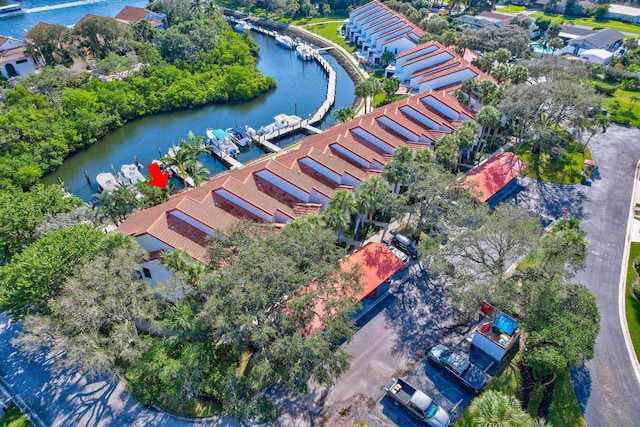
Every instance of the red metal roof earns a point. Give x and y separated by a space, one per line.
489 178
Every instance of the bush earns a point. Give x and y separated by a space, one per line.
636 290
604 89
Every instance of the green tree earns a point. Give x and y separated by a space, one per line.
386 58
53 42
184 158
390 87
115 206
485 249
103 35
344 115
93 317
496 409
601 12
266 295
23 212
563 334
39 272
367 90
489 119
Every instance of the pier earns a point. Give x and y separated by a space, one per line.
230 161
306 124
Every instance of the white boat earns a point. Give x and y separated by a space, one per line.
107 182
242 26
240 136
131 174
305 52
285 41
221 142
11 10
281 121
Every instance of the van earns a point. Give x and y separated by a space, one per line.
404 243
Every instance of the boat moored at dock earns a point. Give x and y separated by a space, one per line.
285 41
305 52
221 142
240 136
242 26
107 182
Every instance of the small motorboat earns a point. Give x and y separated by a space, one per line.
221 142
240 136
286 41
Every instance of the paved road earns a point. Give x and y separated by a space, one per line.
609 392
607 389
69 399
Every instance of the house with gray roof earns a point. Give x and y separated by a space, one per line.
608 39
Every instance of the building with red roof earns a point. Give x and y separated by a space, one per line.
492 176
374 263
297 182
131 15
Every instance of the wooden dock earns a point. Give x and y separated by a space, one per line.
319 114
230 161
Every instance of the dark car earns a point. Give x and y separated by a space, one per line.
459 367
404 243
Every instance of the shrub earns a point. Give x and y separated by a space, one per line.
636 265
604 89
636 290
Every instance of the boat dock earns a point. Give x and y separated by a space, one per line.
230 161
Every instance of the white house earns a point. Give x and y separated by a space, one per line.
14 60
624 13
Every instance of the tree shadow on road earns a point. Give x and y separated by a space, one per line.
421 314
582 385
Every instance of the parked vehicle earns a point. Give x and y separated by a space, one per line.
459 367
416 402
404 243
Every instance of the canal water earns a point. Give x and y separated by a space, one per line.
63 12
301 90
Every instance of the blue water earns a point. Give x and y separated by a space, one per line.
63 12
301 90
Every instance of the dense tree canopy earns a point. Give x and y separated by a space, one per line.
57 113
22 212
39 272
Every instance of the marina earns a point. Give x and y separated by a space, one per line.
302 91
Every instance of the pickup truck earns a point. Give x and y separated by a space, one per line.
459 367
416 403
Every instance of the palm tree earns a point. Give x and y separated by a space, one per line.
115 205
367 90
386 58
397 170
489 118
335 219
344 115
364 202
495 409
342 200
180 262
184 158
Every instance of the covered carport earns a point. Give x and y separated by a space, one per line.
490 182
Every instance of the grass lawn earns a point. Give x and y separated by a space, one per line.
632 306
512 8
337 17
565 171
624 114
329 30
591 22
14 418
565 410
